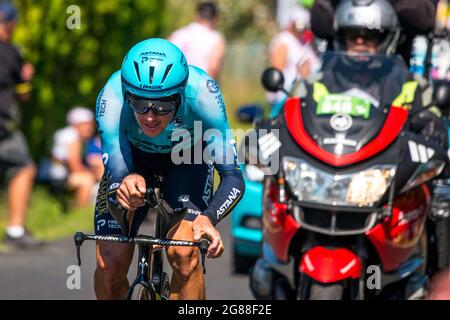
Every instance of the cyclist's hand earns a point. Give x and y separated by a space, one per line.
203 228
131 192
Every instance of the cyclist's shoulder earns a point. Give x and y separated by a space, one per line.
110 100
201 89
196 74
111 92
114 82
204 99
200 82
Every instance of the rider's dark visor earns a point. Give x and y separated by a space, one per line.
367 34
159 106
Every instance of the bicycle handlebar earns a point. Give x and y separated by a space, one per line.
202 245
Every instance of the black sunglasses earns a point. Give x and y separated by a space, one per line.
160 106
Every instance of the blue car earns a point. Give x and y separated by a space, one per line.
246 221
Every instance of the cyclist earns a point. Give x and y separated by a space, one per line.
145 116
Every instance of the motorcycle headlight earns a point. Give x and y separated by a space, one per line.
360 189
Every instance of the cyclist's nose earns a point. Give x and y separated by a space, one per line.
150 115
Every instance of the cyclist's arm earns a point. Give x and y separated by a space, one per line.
111 121
210 107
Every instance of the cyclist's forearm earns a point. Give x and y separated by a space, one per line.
228 194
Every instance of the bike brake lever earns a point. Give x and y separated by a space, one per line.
151 198
203 246
79 237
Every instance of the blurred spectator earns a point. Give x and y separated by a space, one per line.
16 164
416 17
67 154
93 157
201 43
291 52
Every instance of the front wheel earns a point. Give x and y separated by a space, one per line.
140 292
320 291
165 288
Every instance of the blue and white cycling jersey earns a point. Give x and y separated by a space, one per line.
202 114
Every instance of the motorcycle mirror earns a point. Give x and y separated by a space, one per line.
273 80
441 95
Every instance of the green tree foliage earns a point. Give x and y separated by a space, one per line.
71 66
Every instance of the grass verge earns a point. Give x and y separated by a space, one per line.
46 218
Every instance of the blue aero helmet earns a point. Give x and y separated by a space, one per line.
154 68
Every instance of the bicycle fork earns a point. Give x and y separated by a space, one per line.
143 272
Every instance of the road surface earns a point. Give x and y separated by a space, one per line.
42 274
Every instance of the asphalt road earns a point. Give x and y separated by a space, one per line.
43 274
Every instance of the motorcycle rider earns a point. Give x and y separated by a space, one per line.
363 29
364 42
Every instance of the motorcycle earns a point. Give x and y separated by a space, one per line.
346 215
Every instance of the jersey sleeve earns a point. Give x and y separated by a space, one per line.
210 108
112 128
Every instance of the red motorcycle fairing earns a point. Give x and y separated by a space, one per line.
330 265
279 226
392 127
396 238
279 229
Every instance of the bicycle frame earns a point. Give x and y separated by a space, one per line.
150 264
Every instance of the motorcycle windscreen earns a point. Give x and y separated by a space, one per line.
347 107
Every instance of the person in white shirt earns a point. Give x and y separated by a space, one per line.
290 53
202 45
67 154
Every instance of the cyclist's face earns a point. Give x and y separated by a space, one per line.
151 124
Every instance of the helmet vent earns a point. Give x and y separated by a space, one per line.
169 67
152 71
136 68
